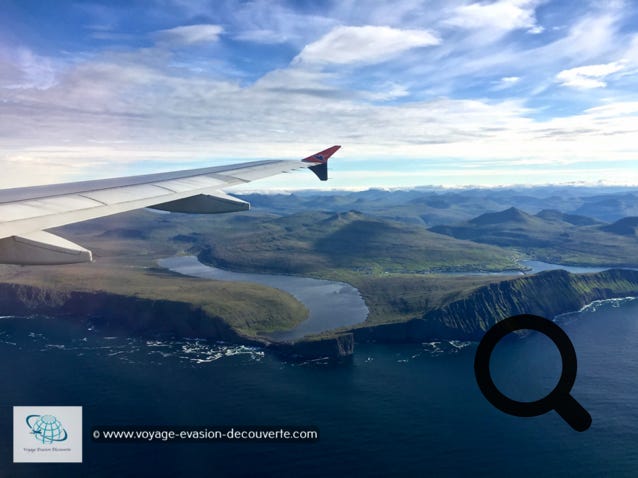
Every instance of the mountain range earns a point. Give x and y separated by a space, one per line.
553 236
379 231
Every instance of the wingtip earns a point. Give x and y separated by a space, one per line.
322 156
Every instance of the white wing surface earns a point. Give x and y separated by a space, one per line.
26 212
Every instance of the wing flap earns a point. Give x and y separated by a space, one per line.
217 203
41 248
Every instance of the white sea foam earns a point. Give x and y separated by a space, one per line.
460 344
130 349
445 347
161 353
157 343
594 306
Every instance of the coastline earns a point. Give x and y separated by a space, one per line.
549 294
154 319
321 297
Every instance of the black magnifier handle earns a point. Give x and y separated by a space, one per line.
559 399
573 413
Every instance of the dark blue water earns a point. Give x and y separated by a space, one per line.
392 411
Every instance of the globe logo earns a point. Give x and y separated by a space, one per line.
46 428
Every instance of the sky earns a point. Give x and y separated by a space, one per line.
447 93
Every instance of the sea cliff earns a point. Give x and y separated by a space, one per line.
547 294
466 317
116 313
143 317
334 347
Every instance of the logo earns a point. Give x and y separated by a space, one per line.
46 434
47 429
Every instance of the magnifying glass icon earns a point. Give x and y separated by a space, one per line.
558 399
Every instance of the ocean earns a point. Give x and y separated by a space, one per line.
393 410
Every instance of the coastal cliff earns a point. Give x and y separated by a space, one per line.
143 317
548 294
117 313
466 317
335 347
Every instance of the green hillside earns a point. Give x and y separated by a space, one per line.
315 242
627 226
464 311
553 237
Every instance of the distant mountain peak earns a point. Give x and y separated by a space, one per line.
574 219
508 215
550 214
627 226
347 216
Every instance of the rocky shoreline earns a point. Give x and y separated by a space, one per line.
547 293
140 317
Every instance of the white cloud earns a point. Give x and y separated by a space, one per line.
262 35
274 22
501 15
295 81
388 92
191 34
367 44
590 76
98 113
137 112
589 38
614 109
632 50
22 68
507 82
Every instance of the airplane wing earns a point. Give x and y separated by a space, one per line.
26 212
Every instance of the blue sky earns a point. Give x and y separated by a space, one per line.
448 93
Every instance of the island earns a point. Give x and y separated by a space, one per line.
154 303
421 282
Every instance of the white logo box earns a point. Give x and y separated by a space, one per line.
47 434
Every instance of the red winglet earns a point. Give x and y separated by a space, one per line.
322 156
